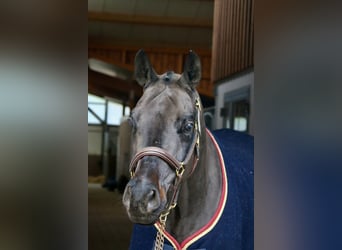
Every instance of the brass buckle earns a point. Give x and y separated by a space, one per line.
198 121
180 170
163 217
197 104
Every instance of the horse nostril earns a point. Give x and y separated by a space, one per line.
151 195
153 200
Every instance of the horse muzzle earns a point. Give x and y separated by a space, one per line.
144 201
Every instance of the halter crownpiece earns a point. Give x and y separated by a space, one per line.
178 166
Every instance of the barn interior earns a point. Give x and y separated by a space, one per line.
219 31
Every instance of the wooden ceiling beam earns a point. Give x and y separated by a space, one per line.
149 20
103 85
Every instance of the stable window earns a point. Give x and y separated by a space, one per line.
236 109
105 110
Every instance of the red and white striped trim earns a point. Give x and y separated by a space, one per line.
217 215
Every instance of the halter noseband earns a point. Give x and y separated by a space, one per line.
178 166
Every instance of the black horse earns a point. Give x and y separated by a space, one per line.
195 186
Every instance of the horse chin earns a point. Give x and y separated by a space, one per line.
141 216
146 219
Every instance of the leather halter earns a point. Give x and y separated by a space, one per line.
178 166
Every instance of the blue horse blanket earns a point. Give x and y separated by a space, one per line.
234 229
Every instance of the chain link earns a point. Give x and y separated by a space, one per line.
159 245
160 237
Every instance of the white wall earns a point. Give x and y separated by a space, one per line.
94 140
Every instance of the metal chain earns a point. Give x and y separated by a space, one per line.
160 238
159 245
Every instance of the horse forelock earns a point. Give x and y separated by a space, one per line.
169 86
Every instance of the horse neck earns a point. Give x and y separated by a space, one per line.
198 197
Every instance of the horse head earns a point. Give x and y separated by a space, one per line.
166 125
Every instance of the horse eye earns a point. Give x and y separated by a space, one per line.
188 127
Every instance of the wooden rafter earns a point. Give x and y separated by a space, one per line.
103 85
148 20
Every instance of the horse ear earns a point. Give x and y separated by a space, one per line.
192 70
144 73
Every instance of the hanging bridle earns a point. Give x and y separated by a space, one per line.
178 166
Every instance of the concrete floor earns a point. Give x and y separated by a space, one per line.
108 225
